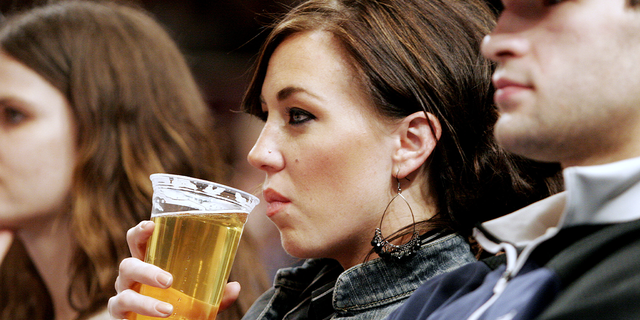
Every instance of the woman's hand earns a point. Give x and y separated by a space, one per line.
137 238
133 272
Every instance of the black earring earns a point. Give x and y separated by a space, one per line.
387 250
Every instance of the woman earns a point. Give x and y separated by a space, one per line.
93 99
378 119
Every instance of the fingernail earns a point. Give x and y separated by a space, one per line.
144 224
164 308
164 279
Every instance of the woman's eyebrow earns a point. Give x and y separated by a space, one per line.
289 91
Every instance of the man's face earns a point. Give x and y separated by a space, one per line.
568 79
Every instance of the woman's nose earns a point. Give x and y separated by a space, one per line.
265 154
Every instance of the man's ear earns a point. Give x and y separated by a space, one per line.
418 135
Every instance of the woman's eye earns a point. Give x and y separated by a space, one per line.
299 116
12 116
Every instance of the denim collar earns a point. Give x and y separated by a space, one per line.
321 289
380 282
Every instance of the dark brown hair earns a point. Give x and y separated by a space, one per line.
137 110
417 55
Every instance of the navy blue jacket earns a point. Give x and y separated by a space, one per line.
597 277
575 255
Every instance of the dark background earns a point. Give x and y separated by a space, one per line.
219 38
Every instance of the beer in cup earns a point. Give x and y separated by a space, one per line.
198 225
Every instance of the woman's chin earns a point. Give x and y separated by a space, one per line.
295 249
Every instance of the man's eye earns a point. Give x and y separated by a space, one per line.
551 2
299 116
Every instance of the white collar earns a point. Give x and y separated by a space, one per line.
601 194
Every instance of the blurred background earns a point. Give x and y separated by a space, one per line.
220 39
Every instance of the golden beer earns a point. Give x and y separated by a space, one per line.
198 249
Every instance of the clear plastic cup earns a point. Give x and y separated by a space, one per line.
198 225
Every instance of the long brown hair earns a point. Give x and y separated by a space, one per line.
138 111
417 55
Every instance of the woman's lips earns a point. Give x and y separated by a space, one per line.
275 201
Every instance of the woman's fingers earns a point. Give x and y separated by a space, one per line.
134 271
130 301
137 238
231 292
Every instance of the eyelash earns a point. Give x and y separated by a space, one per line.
263 116
551 2
294 113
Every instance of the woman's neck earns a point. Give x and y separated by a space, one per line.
49 244
397 216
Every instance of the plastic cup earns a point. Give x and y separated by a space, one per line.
198 225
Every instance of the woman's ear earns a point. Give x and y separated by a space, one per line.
418 135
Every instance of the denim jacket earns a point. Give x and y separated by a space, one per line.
320 289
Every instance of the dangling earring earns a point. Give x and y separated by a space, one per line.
387 250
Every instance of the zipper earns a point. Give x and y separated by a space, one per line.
514 262
512 255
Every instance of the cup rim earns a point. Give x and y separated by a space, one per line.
251 198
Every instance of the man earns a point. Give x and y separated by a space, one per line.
568 91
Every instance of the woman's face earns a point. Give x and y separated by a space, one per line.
37 146
327 156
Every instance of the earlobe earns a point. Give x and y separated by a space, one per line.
418 134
